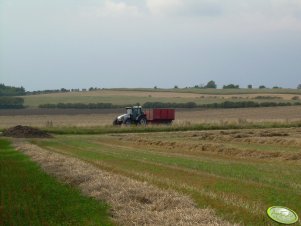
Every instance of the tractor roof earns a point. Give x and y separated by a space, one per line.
133 107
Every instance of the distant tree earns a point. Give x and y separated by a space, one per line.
250 86
276 87
64 90
155 87
92 89
231 86
175 87
11 90
262 87
201 86
211 84
299 86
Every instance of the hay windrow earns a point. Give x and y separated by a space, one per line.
132 202
217 148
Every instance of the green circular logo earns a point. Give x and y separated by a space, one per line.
282 215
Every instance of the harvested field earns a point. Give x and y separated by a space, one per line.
249 114
237 173
131 97
133 202
56 118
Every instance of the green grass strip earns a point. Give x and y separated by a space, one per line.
28 196
173 128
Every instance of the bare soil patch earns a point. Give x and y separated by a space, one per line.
133 202
25 132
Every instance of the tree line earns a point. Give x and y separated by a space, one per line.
225 104
8 99
81 106
212 85
11 102
11 90
62 90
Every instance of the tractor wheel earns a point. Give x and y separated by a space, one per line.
115 122
143 121
128 122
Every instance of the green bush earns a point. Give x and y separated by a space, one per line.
11 102
268 98
80 106
231 86
226 104
169 105
247 104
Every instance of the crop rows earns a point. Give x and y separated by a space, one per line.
232 172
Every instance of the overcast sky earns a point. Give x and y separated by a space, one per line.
145 43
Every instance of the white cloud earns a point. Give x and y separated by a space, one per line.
166 6
183 7
119 8
113 9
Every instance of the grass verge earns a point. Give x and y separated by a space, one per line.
28 196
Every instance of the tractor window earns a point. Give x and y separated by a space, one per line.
129 111
135 111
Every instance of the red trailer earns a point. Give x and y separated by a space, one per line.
159 115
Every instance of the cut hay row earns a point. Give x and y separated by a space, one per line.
133 202
216 148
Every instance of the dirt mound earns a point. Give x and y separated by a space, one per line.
25 132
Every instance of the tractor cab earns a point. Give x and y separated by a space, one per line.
134 112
